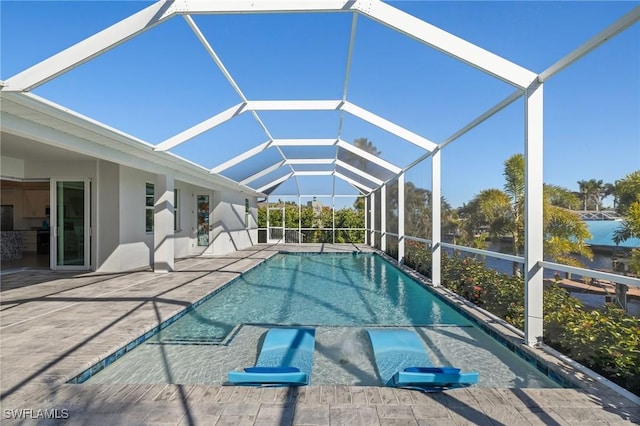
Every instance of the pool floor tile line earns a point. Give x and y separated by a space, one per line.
38 356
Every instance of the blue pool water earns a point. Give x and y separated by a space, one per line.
326 289
339 295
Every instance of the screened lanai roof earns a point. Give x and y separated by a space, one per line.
291 135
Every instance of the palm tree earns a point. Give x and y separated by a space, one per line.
584 192
365 145
503 212
591 192
561 197
597 189
607 190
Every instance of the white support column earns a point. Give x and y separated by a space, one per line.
333 219
533 224
436 233
372 232
163 244
366 217
299 220
401 218
383 217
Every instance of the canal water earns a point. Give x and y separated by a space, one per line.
601 261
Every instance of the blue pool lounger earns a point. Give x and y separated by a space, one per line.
285 359
402 361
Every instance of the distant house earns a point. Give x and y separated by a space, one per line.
316 206
602 232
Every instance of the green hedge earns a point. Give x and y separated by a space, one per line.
606 340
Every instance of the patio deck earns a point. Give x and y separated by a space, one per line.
55 325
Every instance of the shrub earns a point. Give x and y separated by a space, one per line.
605 339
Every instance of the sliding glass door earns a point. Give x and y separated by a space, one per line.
72 227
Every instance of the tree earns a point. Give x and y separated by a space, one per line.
607 190
628 192
592 192
584 192
417 210
502 212
561 197
356 160
351 221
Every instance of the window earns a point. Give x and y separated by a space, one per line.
149 207
176 219
246 213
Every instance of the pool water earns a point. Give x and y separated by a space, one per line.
337 294
342 356
325 289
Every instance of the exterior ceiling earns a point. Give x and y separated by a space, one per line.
276 160
19 147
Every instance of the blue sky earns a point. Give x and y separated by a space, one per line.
162 82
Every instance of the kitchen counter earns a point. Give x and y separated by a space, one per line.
10 245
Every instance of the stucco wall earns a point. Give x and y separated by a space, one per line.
12 167
230 231
107 216
136 245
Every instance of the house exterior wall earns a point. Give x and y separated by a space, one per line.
230 230
107 216
122 195
12 167
135 250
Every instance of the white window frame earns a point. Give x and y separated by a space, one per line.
176 210
148 207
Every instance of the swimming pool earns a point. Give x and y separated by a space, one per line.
339 294
326 289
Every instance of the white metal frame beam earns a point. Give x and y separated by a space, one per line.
90 47
303 142
313 173
292 105
447 43
201 127
275 182
533 223
263 172
367 176
473 123
603 36
359 186
375 9
240 158
369 157
372 232
383 217
436 214
305 161
401 235
347 73
388 126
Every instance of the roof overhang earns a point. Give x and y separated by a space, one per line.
32 117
